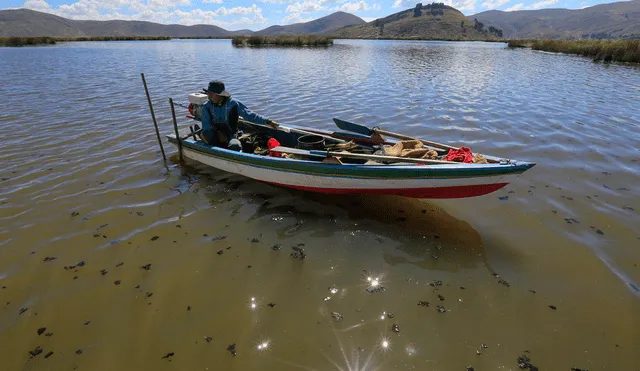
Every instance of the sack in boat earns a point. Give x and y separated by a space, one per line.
479 159
404 148
410 149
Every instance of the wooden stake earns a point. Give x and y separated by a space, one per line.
153 116
175 127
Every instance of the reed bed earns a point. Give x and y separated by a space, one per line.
599 50
25 41
305 40
45 40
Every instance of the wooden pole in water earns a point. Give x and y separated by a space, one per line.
153 116
175 127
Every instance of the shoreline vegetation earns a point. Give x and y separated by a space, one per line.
626 51
46 40
305 40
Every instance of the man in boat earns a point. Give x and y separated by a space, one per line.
220 117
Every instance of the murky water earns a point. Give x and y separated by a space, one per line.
112 260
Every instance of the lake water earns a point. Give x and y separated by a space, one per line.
547 268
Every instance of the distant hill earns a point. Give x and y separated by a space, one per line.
25 22
613 20
431 21
324 25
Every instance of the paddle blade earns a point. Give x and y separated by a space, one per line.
354 128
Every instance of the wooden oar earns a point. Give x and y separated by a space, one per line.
350 126
296 151
287 129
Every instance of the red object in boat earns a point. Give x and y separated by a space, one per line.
463 154
273 143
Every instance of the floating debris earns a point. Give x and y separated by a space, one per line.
208 339
22 310
146 267
48 334
441 297
48 355
255 240
154 238
441 309
103 272
271 305
571 221
116 282
168 355
298 253
395 328
435 283
333 290
79 351
504 283
148 294
276 247
503 198
232 349
220 252
139 213
218 238
119 264
553 307
597 230
532 291
81 263
41 330
525 363
424 304
390 315
49 258
35 352
483 346
74 214
337 316
87 323
469 368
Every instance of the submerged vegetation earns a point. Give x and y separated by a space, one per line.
599 50
45 40
306 40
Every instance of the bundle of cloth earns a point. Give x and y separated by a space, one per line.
410 149
416 149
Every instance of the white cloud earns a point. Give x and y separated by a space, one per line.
305 7
37 5
276 1
357 6
515 7
541 4
405 3
295 18
492 4
469 5
212 1
368 19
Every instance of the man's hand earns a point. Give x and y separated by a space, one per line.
273 124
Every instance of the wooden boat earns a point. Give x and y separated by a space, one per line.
322 171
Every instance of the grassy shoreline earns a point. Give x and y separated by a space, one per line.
46 40
307 40
627 51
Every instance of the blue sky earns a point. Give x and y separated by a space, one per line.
258 14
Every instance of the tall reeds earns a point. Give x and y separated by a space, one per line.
45 40
304 40
599 50
24 41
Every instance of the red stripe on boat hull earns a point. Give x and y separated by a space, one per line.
439 192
